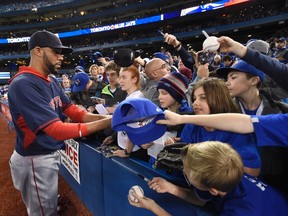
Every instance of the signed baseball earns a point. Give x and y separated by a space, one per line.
137 190
211 44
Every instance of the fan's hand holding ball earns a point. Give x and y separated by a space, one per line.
135 190
211 43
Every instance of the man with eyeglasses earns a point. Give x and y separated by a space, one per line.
154 70
37 104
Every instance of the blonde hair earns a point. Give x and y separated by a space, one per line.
134 73
91 67
217 95
213 164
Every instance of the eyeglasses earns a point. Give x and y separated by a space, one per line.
162 66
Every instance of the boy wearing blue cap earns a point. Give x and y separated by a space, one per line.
244 82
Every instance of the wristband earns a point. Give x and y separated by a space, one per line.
178 46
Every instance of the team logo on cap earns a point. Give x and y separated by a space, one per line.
77 82
158 109
141 123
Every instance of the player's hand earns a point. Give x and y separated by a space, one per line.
110 109
171 118
91 109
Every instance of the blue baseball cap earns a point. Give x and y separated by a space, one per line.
137 117
79 68
282 39
243 67
98 54
80 81
161 56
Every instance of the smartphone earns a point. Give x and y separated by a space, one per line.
97 100
203 58
161 32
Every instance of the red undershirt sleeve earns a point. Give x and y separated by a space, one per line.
74 113
62 131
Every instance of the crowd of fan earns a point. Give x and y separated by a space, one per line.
5 8
252 13
195 82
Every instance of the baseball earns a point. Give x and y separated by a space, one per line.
211 44
135 189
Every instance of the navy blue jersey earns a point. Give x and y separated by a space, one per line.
35 102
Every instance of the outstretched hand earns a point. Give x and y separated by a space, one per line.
171 118
160 185
229 45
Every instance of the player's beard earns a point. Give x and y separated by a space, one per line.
50 67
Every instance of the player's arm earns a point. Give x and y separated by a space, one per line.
79 115
62 131
234 122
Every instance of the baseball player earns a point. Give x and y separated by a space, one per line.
37 104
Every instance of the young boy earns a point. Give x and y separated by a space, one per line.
215 170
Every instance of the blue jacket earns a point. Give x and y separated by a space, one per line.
272 67
250 197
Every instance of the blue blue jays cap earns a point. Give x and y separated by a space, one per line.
161 56
98 54
79 68
137 117
79 81
243 67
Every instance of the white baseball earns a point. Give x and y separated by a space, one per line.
135 189
211 44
